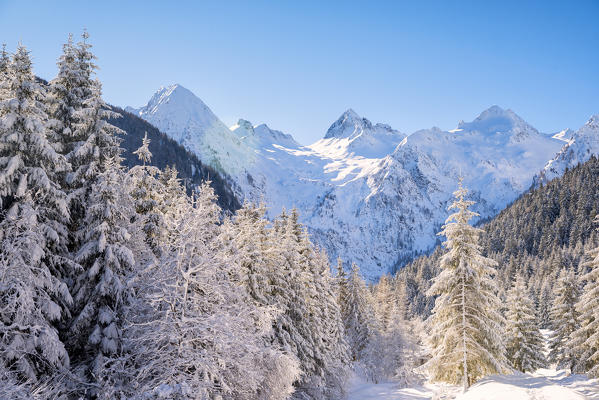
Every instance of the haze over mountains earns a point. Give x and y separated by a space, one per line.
368 193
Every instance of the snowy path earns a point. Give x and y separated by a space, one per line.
545 384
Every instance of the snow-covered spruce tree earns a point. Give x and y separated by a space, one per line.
543 304
147 193
340 281
466 326
4 70
585 340
401 296
247 243
564 319
414 349
253 252
174 198
388 348
291 330
317 338
367 342
88 140
200 317
33 297
524 345
65 98
357 314
384 304
101 209
331 348
100 291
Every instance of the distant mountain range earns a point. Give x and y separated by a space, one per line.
368 193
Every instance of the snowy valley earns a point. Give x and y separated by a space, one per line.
368 193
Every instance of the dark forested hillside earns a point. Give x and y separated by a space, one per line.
547 229
167 152
555 215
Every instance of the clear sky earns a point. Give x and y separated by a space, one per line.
297 65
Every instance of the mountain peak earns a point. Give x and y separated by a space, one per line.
243 128
174 92
350 113
349 124
181 107
245 124
498 120
495 111
593 122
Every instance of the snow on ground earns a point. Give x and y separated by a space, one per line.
545 384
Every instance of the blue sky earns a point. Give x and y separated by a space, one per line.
298 65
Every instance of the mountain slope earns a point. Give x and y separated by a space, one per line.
368 193
580 146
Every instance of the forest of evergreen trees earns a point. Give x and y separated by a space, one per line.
120 281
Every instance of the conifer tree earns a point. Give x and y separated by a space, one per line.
100 292
248 244
65 98
302 328
147 193
524 340
585 340
174 198
33 296
340 281
4 72
101 208
331 349
388 347
291 330
564 319
358 314
466 326
92 139
254 253
544 302
385 305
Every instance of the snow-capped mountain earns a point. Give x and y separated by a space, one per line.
183 116
398 208
581 145
352 136
367 192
